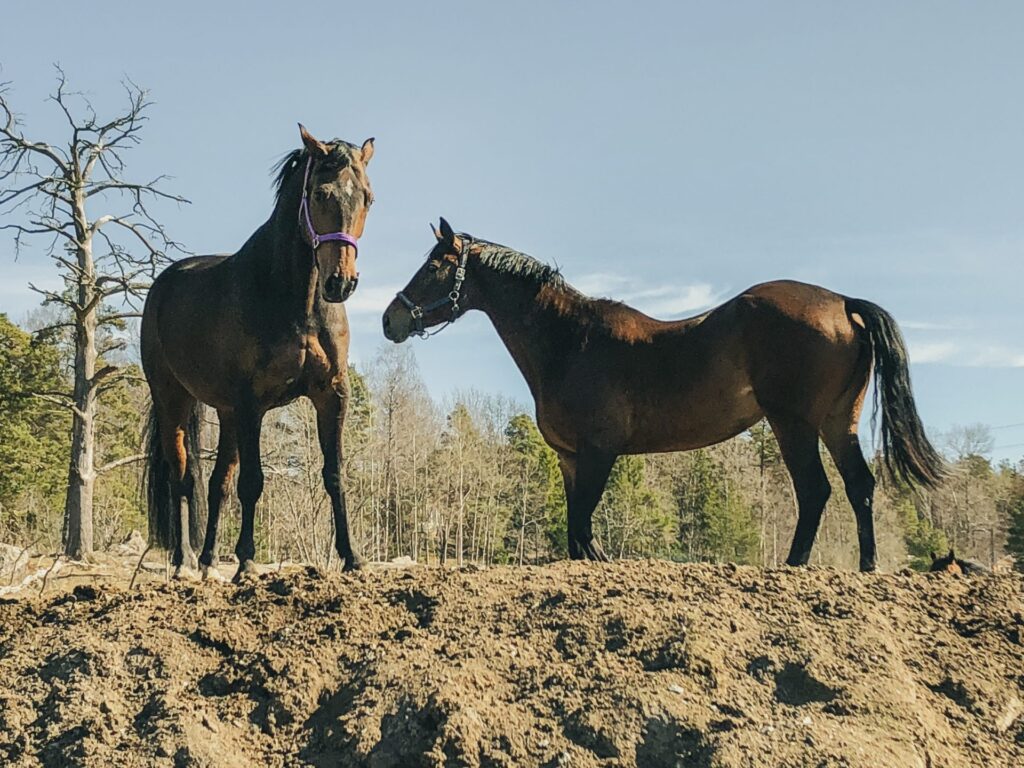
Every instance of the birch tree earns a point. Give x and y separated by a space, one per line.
73 196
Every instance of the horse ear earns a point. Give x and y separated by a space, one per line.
446 231
436 231
934 558
313 145
367 150
951 555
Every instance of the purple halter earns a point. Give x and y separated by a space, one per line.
314 238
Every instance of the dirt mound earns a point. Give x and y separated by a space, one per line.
633 663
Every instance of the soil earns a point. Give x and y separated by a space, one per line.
635 663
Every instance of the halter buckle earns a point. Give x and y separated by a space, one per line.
416 313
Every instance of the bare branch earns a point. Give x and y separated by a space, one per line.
10 195
61 399
55 298
122 462
147 189
102 373
111 317
40 229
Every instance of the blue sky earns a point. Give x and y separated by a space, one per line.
667 154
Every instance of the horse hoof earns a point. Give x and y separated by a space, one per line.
183 573
246 572
595 553
353 563
209 573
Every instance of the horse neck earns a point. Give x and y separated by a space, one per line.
530 318
285 261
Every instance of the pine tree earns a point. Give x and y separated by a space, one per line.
634 519
715 521
920 535
1015 534
33 432
538 494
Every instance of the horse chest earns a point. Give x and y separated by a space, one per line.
291 369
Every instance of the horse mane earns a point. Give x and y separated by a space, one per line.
510 262
340 154
554 291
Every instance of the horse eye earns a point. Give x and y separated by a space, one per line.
433 266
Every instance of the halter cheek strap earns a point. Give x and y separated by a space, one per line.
316 239
417 312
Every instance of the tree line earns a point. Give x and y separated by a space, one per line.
471 480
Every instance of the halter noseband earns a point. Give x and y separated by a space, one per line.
417 311
316 239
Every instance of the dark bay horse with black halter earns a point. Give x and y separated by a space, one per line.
252 331
609 380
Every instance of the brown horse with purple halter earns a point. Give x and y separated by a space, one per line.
248 332
609 380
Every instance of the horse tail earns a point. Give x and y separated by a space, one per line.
160 500
906 451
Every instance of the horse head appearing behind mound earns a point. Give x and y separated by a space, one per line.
609 380
252 331
950 563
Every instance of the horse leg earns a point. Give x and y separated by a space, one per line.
330 419
173 414
220 488
798 442
250 487
567 463
584 484
860 490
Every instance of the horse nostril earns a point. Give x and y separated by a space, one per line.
333 286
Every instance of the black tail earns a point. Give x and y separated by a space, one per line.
905 449
159 495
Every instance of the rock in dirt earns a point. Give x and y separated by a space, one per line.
629 664
132 544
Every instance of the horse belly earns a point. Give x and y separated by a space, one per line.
686 420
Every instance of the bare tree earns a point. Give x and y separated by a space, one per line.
53 191
965 441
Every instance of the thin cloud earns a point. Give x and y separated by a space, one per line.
367 301
925 325
995 356
658 300
933 352
966 353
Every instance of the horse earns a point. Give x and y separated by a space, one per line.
608 380
248 332
950 563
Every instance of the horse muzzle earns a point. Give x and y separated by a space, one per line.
395 327
337 289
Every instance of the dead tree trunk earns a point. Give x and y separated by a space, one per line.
48 190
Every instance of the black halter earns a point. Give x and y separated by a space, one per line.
417 311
